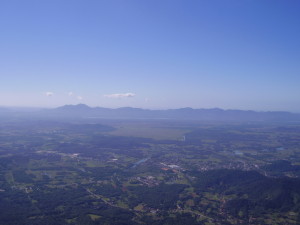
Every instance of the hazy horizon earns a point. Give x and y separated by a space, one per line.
32 108
151 54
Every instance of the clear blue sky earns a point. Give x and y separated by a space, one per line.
232 54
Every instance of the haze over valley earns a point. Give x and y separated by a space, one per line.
173 112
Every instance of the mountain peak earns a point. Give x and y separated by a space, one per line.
74 107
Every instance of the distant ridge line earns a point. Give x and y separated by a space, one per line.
82 111
215 114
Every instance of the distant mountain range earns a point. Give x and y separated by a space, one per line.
83 111
215 114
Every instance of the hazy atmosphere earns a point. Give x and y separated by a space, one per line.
149 112
151 54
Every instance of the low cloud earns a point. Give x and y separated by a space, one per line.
79 98
70 93
49 93
124 95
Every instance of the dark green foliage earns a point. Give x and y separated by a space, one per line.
107 172
116 216
15 207
109 191
280 166
163 196
179 219
255 193
22 177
